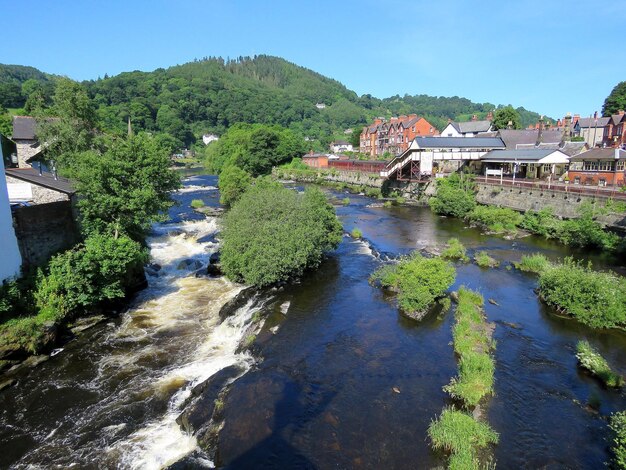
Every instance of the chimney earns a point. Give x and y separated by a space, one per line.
595 115
412 116
620 112
449 120
474 117
539 131
509 125
567 134
489 116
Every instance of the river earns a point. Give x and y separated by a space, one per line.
322 386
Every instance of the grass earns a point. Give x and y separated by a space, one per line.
25 332
197 203
535 263
356 233
590 359
485 261
387 204
460 435
455 250
496 219
345 201
219 405
473 344
618 426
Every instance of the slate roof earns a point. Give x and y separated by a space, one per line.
24 127
46 179
599 154
591 122
460 142
340 142
472 126
617 118
511 155
514 138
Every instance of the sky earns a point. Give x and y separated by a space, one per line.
548 56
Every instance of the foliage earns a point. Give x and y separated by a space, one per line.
356 233
591 360
86 275
255 148
454 197
495 219
125 188
345 201
618 426
16 297
233 182
455 250
597 299
506 117
485 261
542 223
459 434
472 343
418 281
18 82
616 100
535 263
273 234
586 232
295 164
197 203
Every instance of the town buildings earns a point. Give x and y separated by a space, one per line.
341 146
599 167
395 135
471 128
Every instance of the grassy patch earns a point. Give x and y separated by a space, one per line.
197 203
590 359
485 261
595 298
418 281
535 263
472 343
356 233
618 426
345 201
495 219
460 435
455 250
387 204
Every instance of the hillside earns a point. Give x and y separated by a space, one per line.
12 77
211 94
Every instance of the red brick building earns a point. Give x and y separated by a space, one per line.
598 167
315 160
395 135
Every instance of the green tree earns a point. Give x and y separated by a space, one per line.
506 117
273 234
355 138
233 182
125 188
616 100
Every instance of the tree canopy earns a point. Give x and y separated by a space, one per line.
616 100
506 117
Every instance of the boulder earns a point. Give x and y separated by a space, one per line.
189 264
214 270
230 307
214 258
86 323
6 383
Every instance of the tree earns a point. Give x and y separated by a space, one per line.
233 182
126 188
616 100
273 234
355 138
506 117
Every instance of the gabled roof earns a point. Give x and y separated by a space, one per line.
46 179
514 138
617 118
521 155
340 142
591 122
473 126
24 127
599 154
460 142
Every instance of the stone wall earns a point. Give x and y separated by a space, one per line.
41 195
43 230
563 204
25 151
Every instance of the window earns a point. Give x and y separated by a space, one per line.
577 180
590 166
601 182
546 168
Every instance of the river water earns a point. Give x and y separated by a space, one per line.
338 378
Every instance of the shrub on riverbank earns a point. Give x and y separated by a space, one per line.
590 359
495 219
455 250
232 183
418 281
535 263
472 343
597 299
197 203
618 426
460 435
485 261
455 196
273 234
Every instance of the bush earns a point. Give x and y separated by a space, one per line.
356 233
485 261
459 434
197 203
452 201
597 299
542 223
618 426
495 219
88 274
418 281
273 234
16 297
345 201
535 263
455 250
232 183
586 232
591 360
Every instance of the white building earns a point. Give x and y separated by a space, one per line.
208 138
341 146
466 129
11 258
320 105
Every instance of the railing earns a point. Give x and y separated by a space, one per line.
597 191
357 165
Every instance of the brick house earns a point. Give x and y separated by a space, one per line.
315 160
599 167
614 130
394 136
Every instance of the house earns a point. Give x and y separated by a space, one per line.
591 129
341 146
472 128
599 167
36 186
11 257
28 147
528 163
431 155
348 131
320 105
315 160
395 135
614 135
208 138
523 138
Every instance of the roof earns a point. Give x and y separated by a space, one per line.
340 142
573 148
599 154
617 118
24 127
513 138
592 122
512 155
315 155
460 142
46 179
472 126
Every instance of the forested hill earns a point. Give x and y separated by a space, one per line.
211 94
12 79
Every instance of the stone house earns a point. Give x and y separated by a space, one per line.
24 136
36 186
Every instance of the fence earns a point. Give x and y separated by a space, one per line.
357 165
596 191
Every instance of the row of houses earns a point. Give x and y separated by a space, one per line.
393 136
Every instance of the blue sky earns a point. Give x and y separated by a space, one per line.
548 56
